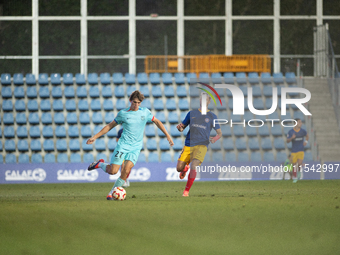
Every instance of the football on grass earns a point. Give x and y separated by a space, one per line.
119 193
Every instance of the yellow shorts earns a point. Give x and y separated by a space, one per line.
298 155
195 152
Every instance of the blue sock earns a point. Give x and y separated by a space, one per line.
118 183
103 166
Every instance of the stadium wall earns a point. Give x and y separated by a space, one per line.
159 172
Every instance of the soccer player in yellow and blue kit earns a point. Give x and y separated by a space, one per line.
133 120
196 142
297 136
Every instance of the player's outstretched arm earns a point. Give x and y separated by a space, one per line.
104 130
160 125
218 136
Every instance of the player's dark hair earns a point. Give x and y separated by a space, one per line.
297 119
138 95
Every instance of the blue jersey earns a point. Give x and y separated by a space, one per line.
297 143
133 123
200 127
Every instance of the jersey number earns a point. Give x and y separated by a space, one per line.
121 153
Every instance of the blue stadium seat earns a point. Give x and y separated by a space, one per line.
8 119
308 156
84 118
7 105
226 130
117 78
230 157
112 132
178 144
273 115
238 130
43 79
108 105
266 78
156 91
191 77
105 78
216 146
34 132
153 157
150 130
59 118
80 79
290 78
100 144
130 79
256 91
68 78
278 78
33 118
74 144
166 78
73 131
194 91
165 157
86 147
107 91
160 116
241 144
5 79
88 158
268 91
169 91
120 104
95 105
253 144
160 133
151 144
158 104
70 105
112 144
170 104
55 79
299 115
203 76
235 118
49 157
244 89
46 118
154 78
258 104
47 132
81 91
92 78
71 118
174 131
37 158
243 157
75 158
253 78
35 145
173 117
58 105
86 131
279 144
97 118
9 132
94 91
101 155
20 105
48 145
228 78
130 90
276 130
181 91
144 90
264 130
255 156
142 78
109 117
241 78
10 158
22 132
179 78
176 155
183 104
281 156
45 105
30 79
31 92
248 116
83 105
268 156
61 145
266 144
21 119
62 158
32 105
216 77
60 131
119 91
164 144
146 103
286 130
6 92
23 158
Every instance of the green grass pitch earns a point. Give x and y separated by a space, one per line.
229 217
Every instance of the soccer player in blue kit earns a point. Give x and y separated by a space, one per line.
196 142
133 120
296 136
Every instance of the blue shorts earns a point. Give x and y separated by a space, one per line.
120 154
